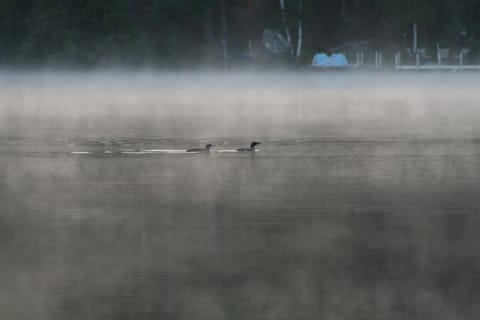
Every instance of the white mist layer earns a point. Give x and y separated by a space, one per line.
204 105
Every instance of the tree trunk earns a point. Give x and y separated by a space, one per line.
208 26
414 46
284 20
299 40
223 10
343 10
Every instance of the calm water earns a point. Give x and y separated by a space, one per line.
363 201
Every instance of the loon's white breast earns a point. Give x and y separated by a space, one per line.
251 149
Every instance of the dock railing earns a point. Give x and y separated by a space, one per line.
360 60
432 66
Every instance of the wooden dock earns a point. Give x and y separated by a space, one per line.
434 67
443 67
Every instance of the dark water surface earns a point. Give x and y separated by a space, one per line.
373 222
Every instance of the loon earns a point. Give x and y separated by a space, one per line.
251 149
206 149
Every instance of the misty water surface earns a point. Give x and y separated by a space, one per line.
362 202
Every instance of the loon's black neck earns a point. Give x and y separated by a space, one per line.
253 144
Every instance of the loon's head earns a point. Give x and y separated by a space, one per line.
254 143
208 146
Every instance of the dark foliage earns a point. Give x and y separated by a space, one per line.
189 32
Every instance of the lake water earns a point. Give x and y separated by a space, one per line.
362 202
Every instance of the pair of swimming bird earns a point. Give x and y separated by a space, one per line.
208 146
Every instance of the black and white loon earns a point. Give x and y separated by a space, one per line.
251 149
206 149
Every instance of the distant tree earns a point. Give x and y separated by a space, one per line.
177 32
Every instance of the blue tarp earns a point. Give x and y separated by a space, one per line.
334 60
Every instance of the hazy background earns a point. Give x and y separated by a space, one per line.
362 202
192 33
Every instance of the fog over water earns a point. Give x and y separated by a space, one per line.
362 202
231 105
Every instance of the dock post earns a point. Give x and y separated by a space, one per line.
378 59
397 60
417 60
439 57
